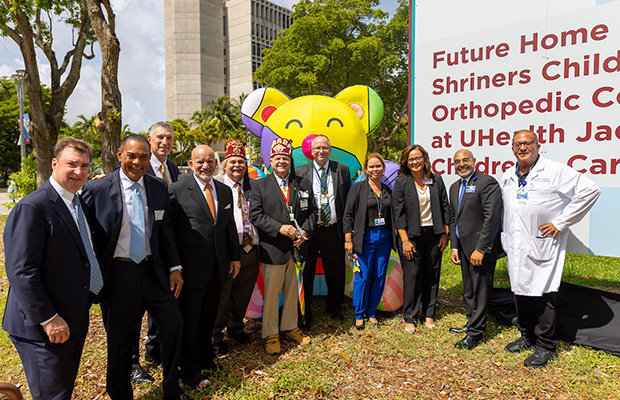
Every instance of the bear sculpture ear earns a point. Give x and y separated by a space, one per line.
258 107
366 104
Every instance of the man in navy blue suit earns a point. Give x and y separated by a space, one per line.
53 274
138 250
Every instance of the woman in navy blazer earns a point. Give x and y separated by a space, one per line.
422 216
369 233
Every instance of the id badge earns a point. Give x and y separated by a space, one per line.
379 221
522 196
247 248
324 200
303 204
470 189
427 181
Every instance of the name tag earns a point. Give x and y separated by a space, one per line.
247 248
427 181
379 221
159 215
521 195
303 203
470 189
324 200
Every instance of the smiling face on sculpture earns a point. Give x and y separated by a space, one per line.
345 119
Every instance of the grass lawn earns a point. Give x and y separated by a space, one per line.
382 362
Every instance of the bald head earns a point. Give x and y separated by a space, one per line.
203 162
464 163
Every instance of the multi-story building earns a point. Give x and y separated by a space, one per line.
213 48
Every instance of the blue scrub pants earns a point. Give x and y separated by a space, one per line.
369 281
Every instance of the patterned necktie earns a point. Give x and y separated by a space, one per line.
137 246
164 176
96 280
284 189
326 212
463 185
243 205
210 201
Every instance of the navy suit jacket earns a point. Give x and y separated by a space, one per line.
47 266
199 238
479 217
172 167
105 202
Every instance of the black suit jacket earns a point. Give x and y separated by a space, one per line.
406 205
47 266
201 241
479 217
172 167
268 212
354 218
341 183
105 201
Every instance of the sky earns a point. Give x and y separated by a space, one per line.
141 64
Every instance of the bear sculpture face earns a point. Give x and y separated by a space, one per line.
345 119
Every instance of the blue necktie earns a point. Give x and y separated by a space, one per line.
96 280
463 185
137 247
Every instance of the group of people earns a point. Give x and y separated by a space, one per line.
186 249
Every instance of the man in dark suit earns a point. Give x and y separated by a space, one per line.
142 266
331 182
206 236
477 202
282 210
236 292
161 139
53 274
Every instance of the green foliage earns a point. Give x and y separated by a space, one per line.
25 180
9 129
333 44
84 129
185 140
221 120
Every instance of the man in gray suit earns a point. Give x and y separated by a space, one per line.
331 182
477 202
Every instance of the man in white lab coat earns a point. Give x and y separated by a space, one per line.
542 198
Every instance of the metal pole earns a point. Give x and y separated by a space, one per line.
21 95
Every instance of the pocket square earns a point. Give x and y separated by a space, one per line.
227 207
159 215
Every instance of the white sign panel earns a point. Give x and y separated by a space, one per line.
484 69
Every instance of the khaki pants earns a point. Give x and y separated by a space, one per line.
278 278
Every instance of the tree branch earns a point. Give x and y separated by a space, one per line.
111 15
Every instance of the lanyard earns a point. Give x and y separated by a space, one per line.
378 198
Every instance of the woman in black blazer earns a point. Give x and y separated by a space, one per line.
369 233
422 216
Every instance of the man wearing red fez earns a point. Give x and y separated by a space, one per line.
283 210
236 292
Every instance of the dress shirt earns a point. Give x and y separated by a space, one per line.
202 184
316 187
237 211
156 165
456 212
280 180
124 238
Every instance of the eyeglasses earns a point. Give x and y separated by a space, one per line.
527 144
321 148
415 159
463 161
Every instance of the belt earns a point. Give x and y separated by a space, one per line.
129 260
326 226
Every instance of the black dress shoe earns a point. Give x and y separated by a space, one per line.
540 358
242 338
140 375
360 327
220 348
467 343
456 329
519 345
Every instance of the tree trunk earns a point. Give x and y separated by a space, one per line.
109 121
46 120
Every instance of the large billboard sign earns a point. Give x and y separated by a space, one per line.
482 69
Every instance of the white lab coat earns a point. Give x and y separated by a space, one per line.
556 194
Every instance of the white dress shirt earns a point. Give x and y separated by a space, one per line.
202 185
237 211
156 165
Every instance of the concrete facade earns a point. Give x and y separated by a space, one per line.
213 48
